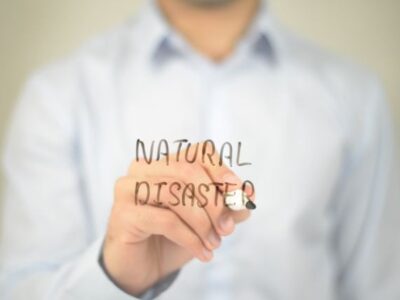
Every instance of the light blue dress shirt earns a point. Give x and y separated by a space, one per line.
315 127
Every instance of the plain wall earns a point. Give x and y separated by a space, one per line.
35 32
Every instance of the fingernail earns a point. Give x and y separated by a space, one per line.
207 254
226 223
214 239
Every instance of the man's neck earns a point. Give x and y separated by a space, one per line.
215 30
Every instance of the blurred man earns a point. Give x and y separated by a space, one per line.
315 129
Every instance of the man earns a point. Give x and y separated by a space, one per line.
314 128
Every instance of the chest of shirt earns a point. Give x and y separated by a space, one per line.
288 134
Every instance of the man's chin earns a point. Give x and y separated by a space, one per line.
209 3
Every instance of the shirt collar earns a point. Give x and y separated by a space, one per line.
162 42
258 36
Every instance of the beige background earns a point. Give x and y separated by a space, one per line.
34 32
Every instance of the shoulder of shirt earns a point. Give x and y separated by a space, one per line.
355 90
104 50
337 73
352 94
62 86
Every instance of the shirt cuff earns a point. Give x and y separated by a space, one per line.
90 280
159 287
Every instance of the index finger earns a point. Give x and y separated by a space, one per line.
213 164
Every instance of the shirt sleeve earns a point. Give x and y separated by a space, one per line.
366 239
49 248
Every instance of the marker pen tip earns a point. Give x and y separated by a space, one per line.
250 205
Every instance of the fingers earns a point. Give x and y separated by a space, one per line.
209 194
221 173
206 215
197 219
160 221
211 204
154 192
211 199
191 212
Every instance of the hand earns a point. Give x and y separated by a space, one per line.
147 241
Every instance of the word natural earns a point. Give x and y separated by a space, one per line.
205 151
